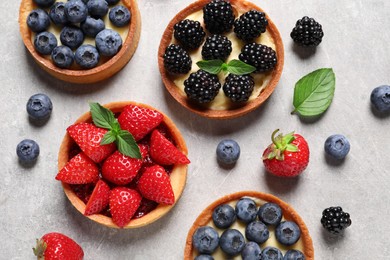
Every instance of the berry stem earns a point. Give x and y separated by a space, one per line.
40 248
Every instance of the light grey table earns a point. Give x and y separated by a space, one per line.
356 45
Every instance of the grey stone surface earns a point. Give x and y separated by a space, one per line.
355 45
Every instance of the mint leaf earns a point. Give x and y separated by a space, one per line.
238 67
210 66
314 92
108 138
127 145
102 117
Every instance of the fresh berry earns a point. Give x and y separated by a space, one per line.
257 231
58 246
251 251
228 151
39 106
92 26
238 87
189 33
72 37
38 20
99 199
205 240
335 220
108 42
112 2
250 25
287 233
139 121
224 216
44 3
270 214
79 170
27 151
164 152
307 32
380 98
202 86
88 138
204 257
337 146
154 184
260 56
293 254
177 60
62 57
76 11
119 15
87 56
57 14
287 156
216 47
124 202
45 42
218 16
232 242
97 8
246 210
271 253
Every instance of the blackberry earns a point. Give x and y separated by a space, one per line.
307 32
250 25
334 219
238 87
190 34
202 86
177 60
216 47
260 56
218 16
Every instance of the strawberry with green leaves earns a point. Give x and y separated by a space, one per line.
79 170
164 152
124 202
99 198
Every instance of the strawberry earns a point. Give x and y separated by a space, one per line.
164 152
99 198
88 138
121 169
139 121
287 156
124 202
79 170
154 184
56 246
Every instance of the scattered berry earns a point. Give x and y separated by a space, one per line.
205 240
293 254
39 106
62 57
257 231
92 26
189 33
204 257
38 20
251 251
72 37
337 146
108 42
238 87
287 233
232 242
119 15
228 151
307 32
123 203
57 246
99 199
76 11
164 152
57 13
270 214
87 56
202 86
250 25
27 151
246 210
44 3
218 16
271 253
45 42
97 8
112 2
224 216
216 47
335 220
260 56
177 60
380 98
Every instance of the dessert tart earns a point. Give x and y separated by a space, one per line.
149 211
106 67
304 244
221 107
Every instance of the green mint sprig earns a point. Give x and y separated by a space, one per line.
104 118
235 67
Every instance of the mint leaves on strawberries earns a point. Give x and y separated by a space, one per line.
235 67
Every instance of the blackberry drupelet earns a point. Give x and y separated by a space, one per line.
260 56
216 47
202 86
334 219
307 32
177 60
250 25
218 16
238 87
190 34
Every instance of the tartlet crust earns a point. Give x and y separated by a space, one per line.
288 212
99 73
238 5
178 175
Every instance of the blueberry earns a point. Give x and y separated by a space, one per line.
224 216
76 11
27 151
293 254
257 231
112 2
62 57
205 240
39 106
337 146
45 42
97 8
38 20
57 14
108 42
119 15
380 98
287 233
271 253
228 151
270 213
86 56
44 3
232 242
72 36
204 257
251 251
246 210
91 26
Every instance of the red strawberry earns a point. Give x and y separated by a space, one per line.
164 152
121 169
154 184
124 202
56 246
139 121
287 156
79 170
88 138
99 198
